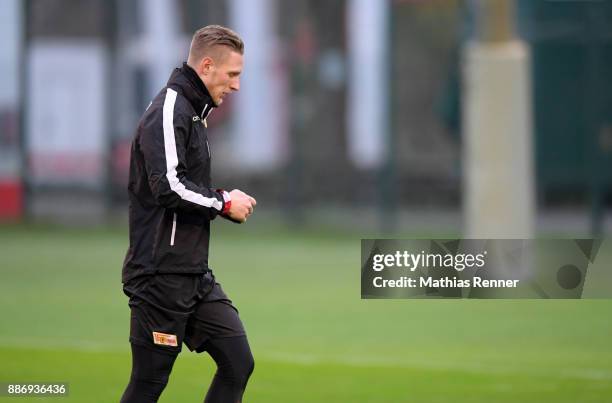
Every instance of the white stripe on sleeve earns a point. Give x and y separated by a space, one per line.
172 158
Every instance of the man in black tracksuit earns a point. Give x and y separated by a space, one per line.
173 295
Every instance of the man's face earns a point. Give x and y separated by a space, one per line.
221 75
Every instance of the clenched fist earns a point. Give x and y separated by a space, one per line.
242 206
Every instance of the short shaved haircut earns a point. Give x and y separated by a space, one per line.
207 41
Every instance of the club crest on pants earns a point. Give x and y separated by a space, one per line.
164 339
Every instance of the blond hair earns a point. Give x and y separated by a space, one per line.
208 39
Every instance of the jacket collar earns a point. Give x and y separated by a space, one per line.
193 89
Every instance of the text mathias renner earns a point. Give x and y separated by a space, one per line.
444 282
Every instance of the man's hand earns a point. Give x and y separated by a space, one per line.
242 206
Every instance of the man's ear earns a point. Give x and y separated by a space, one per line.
206 64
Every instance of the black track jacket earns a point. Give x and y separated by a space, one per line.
171 200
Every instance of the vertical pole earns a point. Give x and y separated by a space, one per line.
23 91
370 142
111 9
301 71
498 159
257 138
161 30
594 117
389 193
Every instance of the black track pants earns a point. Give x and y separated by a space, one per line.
151 370
234 366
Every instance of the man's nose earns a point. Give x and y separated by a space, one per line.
235 86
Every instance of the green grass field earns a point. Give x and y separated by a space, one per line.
65 318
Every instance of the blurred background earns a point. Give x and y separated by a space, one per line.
355 119
351 113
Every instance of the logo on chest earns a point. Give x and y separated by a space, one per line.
197 118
